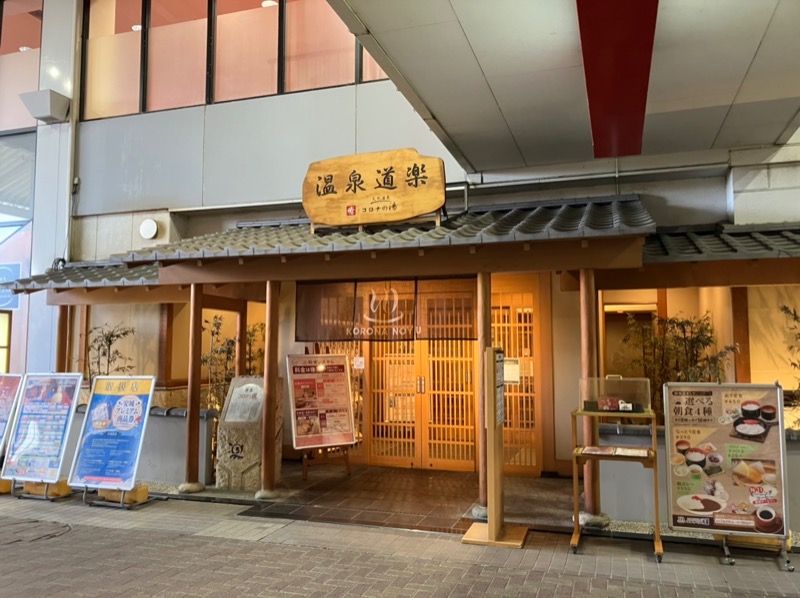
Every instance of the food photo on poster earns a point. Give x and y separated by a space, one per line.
726 463
37 439
321 400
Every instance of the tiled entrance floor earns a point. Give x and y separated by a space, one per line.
411 498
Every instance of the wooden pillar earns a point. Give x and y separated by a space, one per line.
83 324
240 367
62 338
270 390
741 333
588 297
192 483
484 341
164 371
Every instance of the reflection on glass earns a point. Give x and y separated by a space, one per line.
320 51
246 51
112 58
176 62
370 71
20 40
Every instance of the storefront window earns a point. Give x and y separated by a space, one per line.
246 51
20 42
113 58
176 62
320 51
370 71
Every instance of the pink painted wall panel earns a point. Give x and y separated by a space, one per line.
177 65
320 51
19 73
247 54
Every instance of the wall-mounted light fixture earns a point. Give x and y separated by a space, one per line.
46 105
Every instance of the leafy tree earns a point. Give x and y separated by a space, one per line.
103 358
220 361
254 349
675 350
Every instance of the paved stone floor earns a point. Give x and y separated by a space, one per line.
189 548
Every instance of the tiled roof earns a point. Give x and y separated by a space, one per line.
88 276
597 217
723 242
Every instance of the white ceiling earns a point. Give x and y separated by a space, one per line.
502 83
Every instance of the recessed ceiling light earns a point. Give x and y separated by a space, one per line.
267 3
24 48
136 28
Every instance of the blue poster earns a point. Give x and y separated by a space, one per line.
9 273
40 427
111 438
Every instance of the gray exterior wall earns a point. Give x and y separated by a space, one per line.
245 153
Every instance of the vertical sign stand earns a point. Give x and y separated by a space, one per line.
494 532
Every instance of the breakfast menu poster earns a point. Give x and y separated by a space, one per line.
322 412
726 458
111 437
40 425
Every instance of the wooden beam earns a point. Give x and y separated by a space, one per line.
269 412
223 303
588 299
164 363
240 367
62 339
741 333
124 296
617 252
484 342
192 483
784 271
83 329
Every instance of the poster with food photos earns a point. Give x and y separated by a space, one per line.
40 426
727 454
9 389
322 411
110 442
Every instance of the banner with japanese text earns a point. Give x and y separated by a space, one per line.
727 455
40 427
110 442
322 411
9 389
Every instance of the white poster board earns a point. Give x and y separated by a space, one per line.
112 435
322 408
9 391
727 455
40 427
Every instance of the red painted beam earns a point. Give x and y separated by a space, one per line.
617 46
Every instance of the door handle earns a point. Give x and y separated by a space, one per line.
421 385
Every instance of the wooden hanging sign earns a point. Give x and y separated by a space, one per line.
375 188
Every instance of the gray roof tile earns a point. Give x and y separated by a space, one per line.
88 276
723 242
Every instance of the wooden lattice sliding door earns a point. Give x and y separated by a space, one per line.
514 306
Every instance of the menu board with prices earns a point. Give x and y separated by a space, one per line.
111 437
40 427
727 457
322 410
